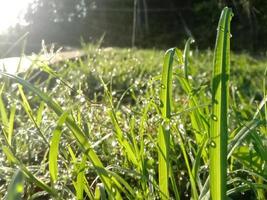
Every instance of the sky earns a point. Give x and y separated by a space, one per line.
11 12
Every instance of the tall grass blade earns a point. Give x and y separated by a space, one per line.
164 129
218 125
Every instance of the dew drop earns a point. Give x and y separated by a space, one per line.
162 86
212 144
167 127
58 81
113 190
214 118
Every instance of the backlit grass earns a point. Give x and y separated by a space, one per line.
136 124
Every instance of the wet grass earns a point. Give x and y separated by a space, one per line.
114 125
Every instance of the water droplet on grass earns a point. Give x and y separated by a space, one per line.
113 190
212 144
214 118
58 81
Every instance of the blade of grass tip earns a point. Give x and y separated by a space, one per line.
218 125
15 188
186 55
53 151
164 129
77 132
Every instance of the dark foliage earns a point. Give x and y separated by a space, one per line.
158 23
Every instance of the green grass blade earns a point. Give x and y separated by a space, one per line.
3 115
53 151
164 129
15 188
100 192
40 113
11 123
218 126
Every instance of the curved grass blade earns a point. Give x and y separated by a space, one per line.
78 134
186 55
53 151
218 125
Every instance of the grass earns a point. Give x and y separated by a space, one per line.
218 124
116 125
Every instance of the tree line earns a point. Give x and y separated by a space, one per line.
143 23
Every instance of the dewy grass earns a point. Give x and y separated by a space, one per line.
79 135
218 125
136 135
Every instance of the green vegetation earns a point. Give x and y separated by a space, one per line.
111 125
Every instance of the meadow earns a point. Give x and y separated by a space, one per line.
137 124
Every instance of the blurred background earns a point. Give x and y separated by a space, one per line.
128 23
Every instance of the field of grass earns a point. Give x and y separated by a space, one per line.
136 124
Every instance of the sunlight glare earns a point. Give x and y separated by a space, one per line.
11 13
